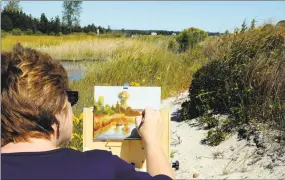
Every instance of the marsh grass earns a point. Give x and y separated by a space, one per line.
35 41
144 67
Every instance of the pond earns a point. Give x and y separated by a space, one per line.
76 70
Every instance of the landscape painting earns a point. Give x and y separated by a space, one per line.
116 108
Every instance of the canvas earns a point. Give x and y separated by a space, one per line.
116 108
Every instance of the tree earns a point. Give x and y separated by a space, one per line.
243 26
93 28
56 26
252 24
43 25
227 32
101 101
190 38
36 24
50 25
32 24
108 30
124 96
71 13
117 108
13 6
6 23
101 30
236 31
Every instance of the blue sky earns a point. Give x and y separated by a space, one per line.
214 16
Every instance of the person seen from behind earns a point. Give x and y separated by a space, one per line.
36 119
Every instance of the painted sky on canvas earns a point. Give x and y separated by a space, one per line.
140 97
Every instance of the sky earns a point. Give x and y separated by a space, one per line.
140 97
213 16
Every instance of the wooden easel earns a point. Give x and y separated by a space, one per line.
132 151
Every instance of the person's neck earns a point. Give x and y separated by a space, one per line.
35 145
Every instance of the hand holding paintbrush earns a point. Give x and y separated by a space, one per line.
149 125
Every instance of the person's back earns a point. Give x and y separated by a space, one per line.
66 163
36 118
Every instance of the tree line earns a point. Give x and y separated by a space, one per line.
15 21
18 20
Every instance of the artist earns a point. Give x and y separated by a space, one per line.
36 119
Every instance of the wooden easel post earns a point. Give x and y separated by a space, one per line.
131 151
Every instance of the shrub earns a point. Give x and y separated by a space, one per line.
190 38
173 46
60 34
247 81
207 90
209 121
28 32
17 32
215 137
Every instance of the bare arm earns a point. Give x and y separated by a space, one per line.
157 162
149 127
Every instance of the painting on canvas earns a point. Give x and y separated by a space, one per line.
116 108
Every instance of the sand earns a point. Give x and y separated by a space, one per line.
232 159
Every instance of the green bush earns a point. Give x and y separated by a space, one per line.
209 121
28 32
17 32
60 34
215 137
190 37
173 46
246 81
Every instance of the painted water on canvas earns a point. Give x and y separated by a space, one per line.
116 108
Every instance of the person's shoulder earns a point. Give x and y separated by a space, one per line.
98 153
100 156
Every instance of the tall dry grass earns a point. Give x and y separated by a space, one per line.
35 41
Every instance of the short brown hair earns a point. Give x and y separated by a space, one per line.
33 90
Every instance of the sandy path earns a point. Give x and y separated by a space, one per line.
232 159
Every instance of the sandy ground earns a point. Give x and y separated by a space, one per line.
232 159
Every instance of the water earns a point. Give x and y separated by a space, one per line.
76 70
117 133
